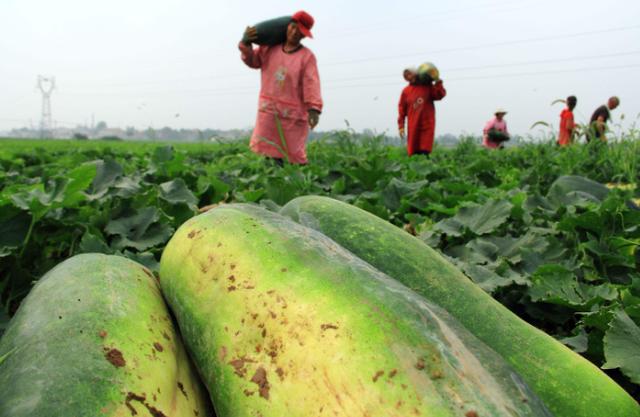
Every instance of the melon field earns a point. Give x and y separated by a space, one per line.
552 234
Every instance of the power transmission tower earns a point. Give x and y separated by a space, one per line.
46 86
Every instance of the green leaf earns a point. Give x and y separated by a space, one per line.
575 190
622 346
162 154
14 226
396 190
145 258
578 343
557 285
176 192
486 218
485 278
140 230
91 243
80 179
107 172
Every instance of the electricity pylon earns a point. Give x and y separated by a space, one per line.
46 86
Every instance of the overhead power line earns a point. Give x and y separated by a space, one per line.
487 45
391 57
339 83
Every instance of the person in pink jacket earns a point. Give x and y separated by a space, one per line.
289 92
495 131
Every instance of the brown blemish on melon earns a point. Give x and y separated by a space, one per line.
231 288
102 334
377 375
114 356
437 374
181 387
146 271
158 346
142 399
328 326
260 378
238 366
393 373
471 413
420 364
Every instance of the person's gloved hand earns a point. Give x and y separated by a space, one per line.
401 132
314 118
250 35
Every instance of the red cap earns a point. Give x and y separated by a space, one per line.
304 21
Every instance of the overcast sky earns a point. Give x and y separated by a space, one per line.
175 63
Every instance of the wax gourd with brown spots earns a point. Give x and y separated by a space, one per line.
94 338
282 321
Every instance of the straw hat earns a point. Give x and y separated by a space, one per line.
500 110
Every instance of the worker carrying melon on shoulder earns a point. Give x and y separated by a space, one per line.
416 105
290 96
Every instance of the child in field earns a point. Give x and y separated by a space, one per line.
567 125
416 105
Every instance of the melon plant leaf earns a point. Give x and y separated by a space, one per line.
622 346
145 258
14 226
396 190
92 243
140 230
557 285
127 187
576 190
485 278
80 179
107 172
486 218
176 192
578 343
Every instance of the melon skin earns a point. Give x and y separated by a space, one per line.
282 321
94 338
566 382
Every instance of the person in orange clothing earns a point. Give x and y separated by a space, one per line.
567 124
416 105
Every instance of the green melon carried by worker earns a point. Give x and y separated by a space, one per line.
428 72
271 32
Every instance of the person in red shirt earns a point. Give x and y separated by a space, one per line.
416 105
567 125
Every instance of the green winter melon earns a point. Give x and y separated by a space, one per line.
282 321
567 383
94 339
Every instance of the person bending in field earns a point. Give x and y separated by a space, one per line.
495 131
289 92
599 119
416 105
567 124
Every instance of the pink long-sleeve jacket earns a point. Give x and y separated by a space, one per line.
290 87
494 123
